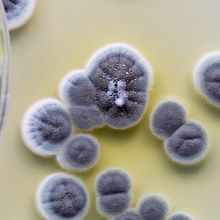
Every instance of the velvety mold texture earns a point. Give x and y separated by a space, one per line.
81 153
180 216
46 126
113 189
185 141
62 196
207 76
153 207
112 90
18 12
128 215
98 146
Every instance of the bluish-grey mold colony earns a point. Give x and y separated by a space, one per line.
207 78
188 145
180 216
113 189
80 154
112 90
167 118
62 196
128 215
46 127
18 12
185 142
153 207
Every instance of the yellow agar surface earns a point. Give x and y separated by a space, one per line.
61 36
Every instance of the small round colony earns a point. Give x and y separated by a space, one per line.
180 216
18 12
113 192
128 215
207 78
80 154
77 91
112 90
188 145
62 196
167 117
46 127
153 207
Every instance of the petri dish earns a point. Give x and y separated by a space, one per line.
5 65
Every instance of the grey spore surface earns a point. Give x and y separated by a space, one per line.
14 8
86 117
77 89
207 77
18 12
120 77
211 80
46 126
167 117
62 196
53 125
81 153
153 207
188 145
113 192
180 216
128 215
113 181
79 93
113 204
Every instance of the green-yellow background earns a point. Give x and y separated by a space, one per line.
61 36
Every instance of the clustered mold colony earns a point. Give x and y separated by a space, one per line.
113 188
112 90
150 207
46 131
18 12
62 196
186 142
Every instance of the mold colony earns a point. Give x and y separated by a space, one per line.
113 91
18 12
186 142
